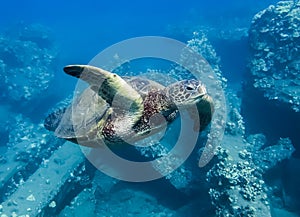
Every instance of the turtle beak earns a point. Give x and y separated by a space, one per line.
200 93
202 90
74 70
199 98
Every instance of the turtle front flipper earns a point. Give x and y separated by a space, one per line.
111 87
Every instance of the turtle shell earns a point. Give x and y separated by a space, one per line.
89 110
143 85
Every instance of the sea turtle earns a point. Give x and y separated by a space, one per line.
118 109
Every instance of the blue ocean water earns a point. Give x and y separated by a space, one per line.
39 38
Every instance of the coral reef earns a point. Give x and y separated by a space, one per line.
275 43
235 124
237 183
235 177
34 158
27 147
207 69
266 157
27 65
201 45
237 186
105 198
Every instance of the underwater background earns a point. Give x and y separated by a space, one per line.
253 47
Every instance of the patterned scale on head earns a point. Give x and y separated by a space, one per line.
186 92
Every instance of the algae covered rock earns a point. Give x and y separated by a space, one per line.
275 45
27 65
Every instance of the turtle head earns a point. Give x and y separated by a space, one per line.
186 92
191 95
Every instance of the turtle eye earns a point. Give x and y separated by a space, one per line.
189 87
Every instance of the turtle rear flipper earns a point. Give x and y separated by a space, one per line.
52 123
80 117
52 120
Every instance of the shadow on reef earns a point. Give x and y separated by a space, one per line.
285 189
166 194
273 119
238 58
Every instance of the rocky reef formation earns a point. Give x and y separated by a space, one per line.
237 177
235 183
27 63
275 42
266 157
273 74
